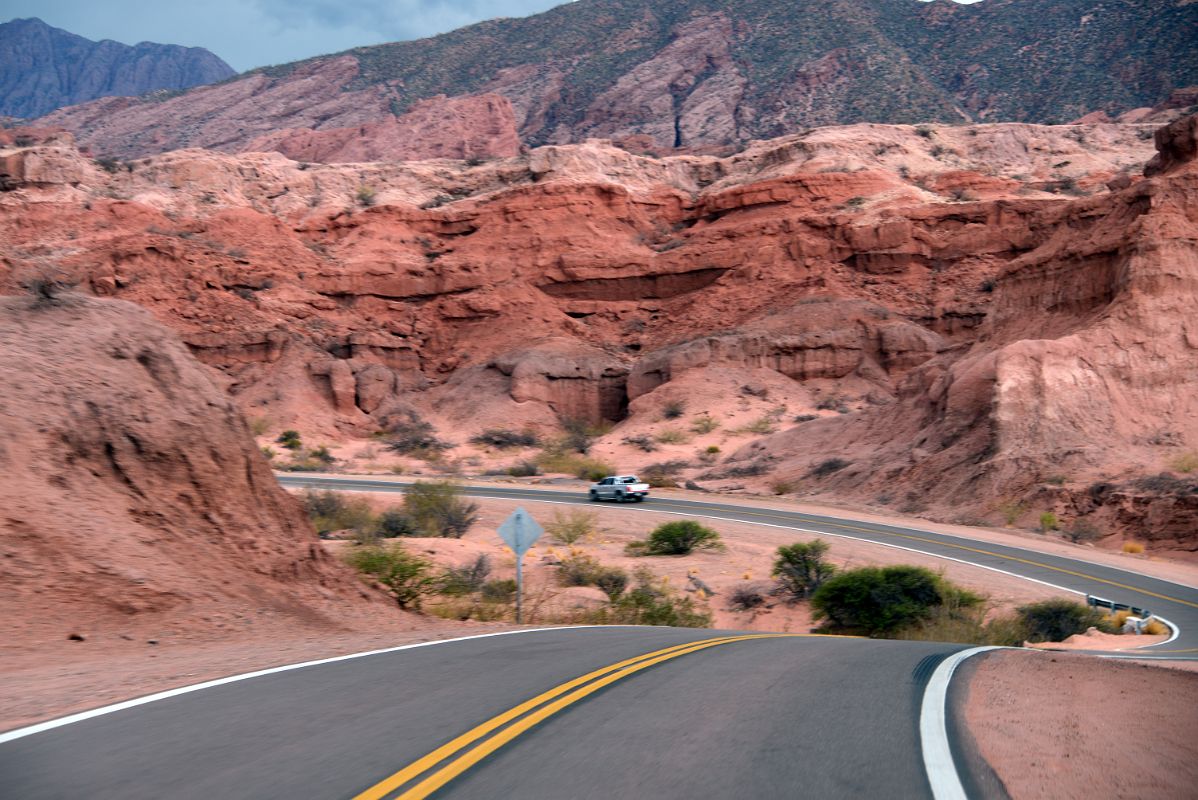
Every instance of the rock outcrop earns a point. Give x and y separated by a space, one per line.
134 497
956 314
43 68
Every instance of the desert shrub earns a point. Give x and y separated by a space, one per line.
290 440
578 435
801 418
1055 480
268 452
1082 530
524 469
571 527
760 426
612 581
679 538
704 423
926 131
321 454
437 508
800 568
855 202
1011 512
782 487
588 469
1133 547
413 436
502 438
466 579
1048 522
642 441
333 511
938 150
1058 619
672 436
651 602
578 569
828 466
1185 463
365 195
878 601
259 426
673 409
831 403
747 596
109 164
394 523
499 591
408 577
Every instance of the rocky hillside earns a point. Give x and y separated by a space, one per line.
134 497
967 321
663 74
43 68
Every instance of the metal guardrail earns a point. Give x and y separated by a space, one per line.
1101 602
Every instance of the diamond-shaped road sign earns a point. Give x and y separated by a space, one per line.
520 531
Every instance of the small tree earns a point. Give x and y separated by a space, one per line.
1048 521
408 577
1057 620
290 439
878 601
800 568
437 508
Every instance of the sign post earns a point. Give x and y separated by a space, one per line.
520 531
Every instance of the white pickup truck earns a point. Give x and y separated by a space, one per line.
620 488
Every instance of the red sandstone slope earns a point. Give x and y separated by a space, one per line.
947 287
133 497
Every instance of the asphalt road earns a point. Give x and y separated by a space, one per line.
565 713
1176 603
757 718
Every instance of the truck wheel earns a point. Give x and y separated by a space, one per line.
640 499
594 496
619 497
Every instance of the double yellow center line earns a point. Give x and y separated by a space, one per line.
546 705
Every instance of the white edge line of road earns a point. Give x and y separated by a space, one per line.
39 727
933 729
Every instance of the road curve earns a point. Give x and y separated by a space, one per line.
1171 601
757 717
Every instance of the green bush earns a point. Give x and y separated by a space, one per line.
650 602
409 578
290 440
612 581
571 526
1058 619
413 436
1048 521
801 569
679 538
878 601
394 523
503 439
437 508
499 591
457 581
578 569
673 409
333 511
365 195
704 424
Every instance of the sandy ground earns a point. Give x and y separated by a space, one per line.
748 558
1070 726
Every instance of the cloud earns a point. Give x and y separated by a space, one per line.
395 19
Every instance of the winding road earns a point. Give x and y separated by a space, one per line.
582 712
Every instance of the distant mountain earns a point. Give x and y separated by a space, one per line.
683 73
43 68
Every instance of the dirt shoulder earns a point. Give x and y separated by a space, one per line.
1070 726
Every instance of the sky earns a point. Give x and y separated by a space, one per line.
257 33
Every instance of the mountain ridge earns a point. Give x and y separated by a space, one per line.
43 68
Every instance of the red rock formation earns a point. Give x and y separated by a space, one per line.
134 496
987 310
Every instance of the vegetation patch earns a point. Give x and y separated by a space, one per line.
677 538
